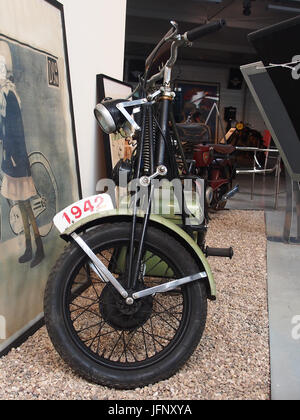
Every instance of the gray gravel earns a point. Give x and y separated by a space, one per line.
231 361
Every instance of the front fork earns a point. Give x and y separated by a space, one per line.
101 271
164 119
134 258
135 254
163 145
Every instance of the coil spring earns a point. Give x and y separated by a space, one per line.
147 142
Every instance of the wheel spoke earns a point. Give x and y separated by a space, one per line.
154 339
116 343
152 268
100 318
88 328
167 310
126 346
84 309
170 325
83 312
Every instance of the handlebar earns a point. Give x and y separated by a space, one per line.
175 41
203 30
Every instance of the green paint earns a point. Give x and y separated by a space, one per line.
167 223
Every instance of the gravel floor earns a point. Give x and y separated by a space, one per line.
231 362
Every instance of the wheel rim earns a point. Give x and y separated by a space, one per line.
103 337
47 191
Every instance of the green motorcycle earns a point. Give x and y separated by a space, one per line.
126 303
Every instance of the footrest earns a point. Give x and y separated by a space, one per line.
219 252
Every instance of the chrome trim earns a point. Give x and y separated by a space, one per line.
230 193
161 170
102 110
121 107
209 195
255 149
102 271
96 271
171 285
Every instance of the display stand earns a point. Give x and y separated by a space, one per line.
257 169
274 84
285 135
292 209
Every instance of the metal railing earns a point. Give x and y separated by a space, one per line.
257 168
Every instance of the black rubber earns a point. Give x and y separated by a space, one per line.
219 252
203 30
125 377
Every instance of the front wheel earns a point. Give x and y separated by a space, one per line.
114 344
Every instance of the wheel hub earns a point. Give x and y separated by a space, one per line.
121 315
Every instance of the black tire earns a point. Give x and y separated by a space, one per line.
130 369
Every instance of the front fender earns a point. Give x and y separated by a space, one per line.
174 230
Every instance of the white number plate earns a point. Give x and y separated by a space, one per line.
82 209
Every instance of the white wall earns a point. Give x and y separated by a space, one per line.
96 38
229 97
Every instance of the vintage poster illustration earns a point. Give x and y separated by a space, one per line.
38 167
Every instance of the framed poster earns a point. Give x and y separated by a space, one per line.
39 172
235 79
115 146
197 101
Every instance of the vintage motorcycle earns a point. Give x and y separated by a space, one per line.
245 136
215 163
125 305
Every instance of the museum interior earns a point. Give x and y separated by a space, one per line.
173 128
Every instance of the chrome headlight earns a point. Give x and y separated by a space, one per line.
109 116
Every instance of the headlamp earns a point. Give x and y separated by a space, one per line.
108 116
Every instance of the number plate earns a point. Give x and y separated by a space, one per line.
82 209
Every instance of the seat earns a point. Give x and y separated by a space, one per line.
194 133
223 149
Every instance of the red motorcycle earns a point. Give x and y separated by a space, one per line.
216 164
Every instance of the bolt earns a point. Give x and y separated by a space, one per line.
129 301
162 170
145 181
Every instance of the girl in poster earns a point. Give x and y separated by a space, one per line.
17 182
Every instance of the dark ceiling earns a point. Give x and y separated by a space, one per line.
148 21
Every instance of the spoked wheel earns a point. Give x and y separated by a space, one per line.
108 341
45 203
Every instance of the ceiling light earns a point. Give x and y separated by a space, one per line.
210 1
284 8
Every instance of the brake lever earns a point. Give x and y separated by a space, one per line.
175 32
175 26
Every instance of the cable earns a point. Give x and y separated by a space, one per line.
220 10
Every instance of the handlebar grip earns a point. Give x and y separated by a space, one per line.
203 30
219 252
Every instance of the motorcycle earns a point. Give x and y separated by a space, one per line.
126 303
245 136
215 163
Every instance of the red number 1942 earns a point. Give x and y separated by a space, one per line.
83 207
